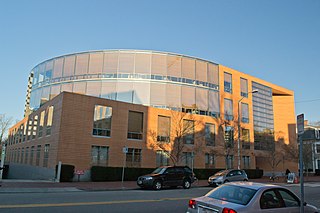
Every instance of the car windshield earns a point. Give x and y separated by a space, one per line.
233 194
221 173
159 170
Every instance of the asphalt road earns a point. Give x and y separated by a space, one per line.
169 200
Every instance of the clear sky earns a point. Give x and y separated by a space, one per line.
275 40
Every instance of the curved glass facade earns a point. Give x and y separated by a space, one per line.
157 79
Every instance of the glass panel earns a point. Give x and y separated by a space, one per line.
141 93
188 131
201 70
45 95
188 97
163 129
108 90
41 72
214 102
210 134
213 74
66 87
95 63
93 88
102 121
174 65
110 62
227 82
244 87
125 91
68 69
55 90
228 109
82 64
159 64
79 87
244 112
159 97
135 125
57 69
202 99
49 120
188 68
126 62
143 63
173 95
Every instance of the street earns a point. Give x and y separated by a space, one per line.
168 200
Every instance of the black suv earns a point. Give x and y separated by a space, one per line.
172 176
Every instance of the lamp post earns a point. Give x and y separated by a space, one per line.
239 127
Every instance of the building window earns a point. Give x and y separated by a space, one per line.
228 109
38 155
227 82
163 129
135 125
188 158
244 113
210 134
133 157
35 126
229 161
102 121
244 87
228 136
246 162
26 156
49 120
22 156
29 128
41 124
188 132
46 155
99 155
162 158
31 155
245 135
318 148
209 160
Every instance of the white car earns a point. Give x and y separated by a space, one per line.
239 197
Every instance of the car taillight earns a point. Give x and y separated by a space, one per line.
192 204
227 210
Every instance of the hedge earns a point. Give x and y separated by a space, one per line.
67 172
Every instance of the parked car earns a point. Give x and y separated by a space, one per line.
227 176
239 197
172 176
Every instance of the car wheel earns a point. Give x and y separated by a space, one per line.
186 184
226 181
157 185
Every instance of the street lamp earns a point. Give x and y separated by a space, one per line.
239 126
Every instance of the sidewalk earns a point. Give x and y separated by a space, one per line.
24 186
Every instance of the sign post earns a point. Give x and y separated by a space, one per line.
3 153
125 151
300 123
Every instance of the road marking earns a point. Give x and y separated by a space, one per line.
35 205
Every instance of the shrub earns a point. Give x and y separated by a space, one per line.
67 172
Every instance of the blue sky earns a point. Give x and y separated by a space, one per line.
278 41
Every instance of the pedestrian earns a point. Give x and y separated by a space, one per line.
287 173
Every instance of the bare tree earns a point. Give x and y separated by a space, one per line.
182 137
5 123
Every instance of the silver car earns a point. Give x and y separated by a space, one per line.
238 197
228 175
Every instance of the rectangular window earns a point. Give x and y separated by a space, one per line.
163 129
38 155
162 158
318 148
46 155
228 109
244 87
229 161
209 160
188 158
49 120
41 124
26 156
31 155
29 128
228 136
210 134
227 82
102 121
246 162
133 157
245 136
22 155
188 132
35 126
99 155
135 125
244 113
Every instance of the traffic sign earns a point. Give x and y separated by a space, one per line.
300 124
